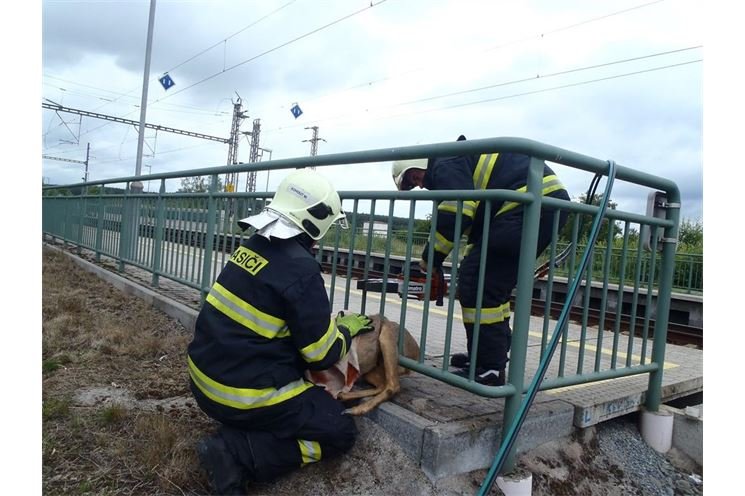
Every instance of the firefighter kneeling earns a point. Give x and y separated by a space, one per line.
267 320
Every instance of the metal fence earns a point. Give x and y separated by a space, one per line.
688 274
188 238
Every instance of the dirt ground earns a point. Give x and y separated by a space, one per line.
117 415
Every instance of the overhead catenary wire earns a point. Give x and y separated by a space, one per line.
90 95
256 57
513 95
546 76
508 96
250 59
570 85
539 36
488 100
162 152
369 83
127 94
231 36
266 52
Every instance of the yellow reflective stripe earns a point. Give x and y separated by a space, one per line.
470 207
483 171
490 315
507 207
343 345
442 244
246 314
244 398
448 206
310 451
451 206
550 184
317 351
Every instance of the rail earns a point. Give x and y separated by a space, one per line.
188 237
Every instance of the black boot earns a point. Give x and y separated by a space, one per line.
460 360
490 377
225 475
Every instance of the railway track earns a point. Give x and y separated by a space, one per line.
678 334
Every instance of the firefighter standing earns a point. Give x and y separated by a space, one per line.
479 172
267 320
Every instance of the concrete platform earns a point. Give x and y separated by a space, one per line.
452 431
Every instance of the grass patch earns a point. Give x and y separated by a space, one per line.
169 451
53 408
85 487
49 366
72 303
113 339
113 414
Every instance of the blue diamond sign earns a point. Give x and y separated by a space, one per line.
296 110
166 81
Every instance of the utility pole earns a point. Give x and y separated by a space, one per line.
231 179
253 155
314 142
137 185
87 156
84 162
130 224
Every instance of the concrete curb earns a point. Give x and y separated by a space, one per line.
688 431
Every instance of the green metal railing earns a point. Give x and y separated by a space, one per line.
688 274
188 238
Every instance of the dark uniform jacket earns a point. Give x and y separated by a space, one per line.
477 172
267 320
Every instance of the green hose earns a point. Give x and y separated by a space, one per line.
509 441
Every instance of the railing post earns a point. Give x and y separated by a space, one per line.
160 217
690 274
667 264
523 300
209 243
66 223
100 223
124 228
81 223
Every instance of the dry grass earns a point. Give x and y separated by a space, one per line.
95 336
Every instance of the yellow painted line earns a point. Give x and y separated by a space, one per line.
619 354
605 351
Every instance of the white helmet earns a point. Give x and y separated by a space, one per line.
308 200
399 171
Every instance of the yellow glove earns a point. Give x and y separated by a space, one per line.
354 323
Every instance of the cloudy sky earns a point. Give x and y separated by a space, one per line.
617 80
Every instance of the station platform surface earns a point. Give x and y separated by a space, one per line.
449 430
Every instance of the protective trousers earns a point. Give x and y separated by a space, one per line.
271 441
500 278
